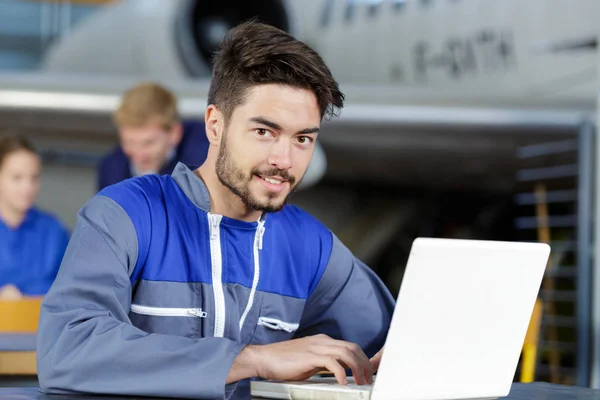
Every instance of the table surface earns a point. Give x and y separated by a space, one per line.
519 391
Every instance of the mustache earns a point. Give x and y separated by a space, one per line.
284 174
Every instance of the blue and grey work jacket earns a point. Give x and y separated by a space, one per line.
156 296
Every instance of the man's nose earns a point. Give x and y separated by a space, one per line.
281 155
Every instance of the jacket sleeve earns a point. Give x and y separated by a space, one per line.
86 341
350 303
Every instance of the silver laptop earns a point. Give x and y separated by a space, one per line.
458 327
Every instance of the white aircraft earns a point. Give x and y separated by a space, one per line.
534 50
429 83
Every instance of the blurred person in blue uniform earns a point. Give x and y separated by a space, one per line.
152 137
32 242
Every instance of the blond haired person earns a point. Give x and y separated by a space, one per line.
152 137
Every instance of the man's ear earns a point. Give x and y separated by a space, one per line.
213 119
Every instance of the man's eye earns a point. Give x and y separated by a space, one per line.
262 132
304 140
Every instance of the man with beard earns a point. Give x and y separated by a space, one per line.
189 285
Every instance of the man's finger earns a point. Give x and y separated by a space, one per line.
349 359
352 346
367 368
376 360
369 378
336 369
360 354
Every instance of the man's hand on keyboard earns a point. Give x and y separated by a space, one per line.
300 359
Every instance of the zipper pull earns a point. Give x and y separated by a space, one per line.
197 313
213 226
261 232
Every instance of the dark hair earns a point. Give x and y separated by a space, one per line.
254 54
12 144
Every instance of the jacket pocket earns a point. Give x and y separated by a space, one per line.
168 311
271 330
188 322
277 325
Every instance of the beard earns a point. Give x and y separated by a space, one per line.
234 178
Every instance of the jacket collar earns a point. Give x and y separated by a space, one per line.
195 189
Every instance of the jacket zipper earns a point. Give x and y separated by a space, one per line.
277 324
258 244
216 259
168 312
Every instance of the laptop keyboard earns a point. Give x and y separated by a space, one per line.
362 387
332 381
